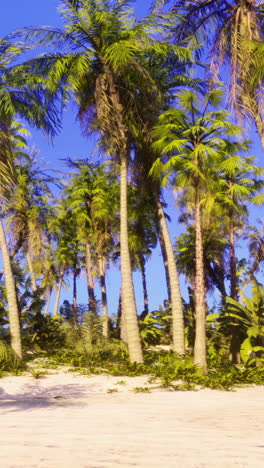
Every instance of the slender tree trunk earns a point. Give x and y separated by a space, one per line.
90 280
235 341
233 270
48 297
101 264
75 304
200 309
128 297
165 262
129 309
31 271
14 322
176 300
144 285
121 320
58 293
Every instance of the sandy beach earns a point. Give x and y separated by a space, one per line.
69 420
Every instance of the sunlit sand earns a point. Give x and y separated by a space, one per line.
75 421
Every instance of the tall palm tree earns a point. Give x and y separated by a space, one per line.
255 236
107 73
191 140
20 95
227 26
91 196
240 184
28 212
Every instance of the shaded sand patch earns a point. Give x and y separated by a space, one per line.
68 420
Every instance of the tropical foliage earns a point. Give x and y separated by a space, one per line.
147 96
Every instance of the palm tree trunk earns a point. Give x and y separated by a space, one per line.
14 322
31 271
200 309
235 342
90 280
128 297
259 124
101 264
58 293
176 301
48 297
144 285
75 304
165 262
129 310
233 272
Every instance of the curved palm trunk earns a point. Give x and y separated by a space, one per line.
165 263
31 271
101 265
128 297
58 293
129 310
14 322
200 309
176 301
90 280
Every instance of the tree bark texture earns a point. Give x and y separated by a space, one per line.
176 300
165 262
144 285
101 265
128 297
58 293
74 303
235 341
48 297
200 309
90 280
14 322
129 310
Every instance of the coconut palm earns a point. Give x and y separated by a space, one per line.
105 73
214 247
240 184
190 139
227 27
28 212
91 196
19 95
255 236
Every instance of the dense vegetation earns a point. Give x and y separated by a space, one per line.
149 90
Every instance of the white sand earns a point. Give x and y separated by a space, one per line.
70 421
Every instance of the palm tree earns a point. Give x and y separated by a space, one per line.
240 184
214 248
107 73
68 254
192 144
19 95
28 212
91 195
227 27
255 236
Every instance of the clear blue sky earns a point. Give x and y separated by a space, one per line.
70 143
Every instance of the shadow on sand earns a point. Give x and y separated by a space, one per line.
34 397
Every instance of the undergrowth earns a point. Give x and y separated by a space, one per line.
164 367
